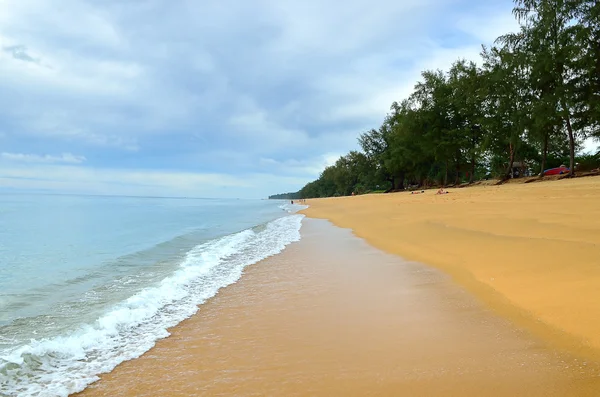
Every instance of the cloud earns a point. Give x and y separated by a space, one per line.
36 158
87 180
487 30
211 87
310 168
256 125
20 52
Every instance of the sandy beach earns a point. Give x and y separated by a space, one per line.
531 252
333 316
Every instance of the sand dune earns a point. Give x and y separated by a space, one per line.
532 252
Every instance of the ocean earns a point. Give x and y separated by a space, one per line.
87 282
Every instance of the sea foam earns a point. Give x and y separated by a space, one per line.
67 364
292 208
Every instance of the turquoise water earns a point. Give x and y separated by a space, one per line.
87 282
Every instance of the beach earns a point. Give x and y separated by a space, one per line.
87 283
332 315
529 251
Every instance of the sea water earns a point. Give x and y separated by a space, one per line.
87 282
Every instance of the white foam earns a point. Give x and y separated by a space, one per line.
67 364
292 208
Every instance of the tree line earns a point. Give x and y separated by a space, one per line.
286 196
528 105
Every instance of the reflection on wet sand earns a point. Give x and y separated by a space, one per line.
333 316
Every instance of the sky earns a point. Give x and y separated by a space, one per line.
203 98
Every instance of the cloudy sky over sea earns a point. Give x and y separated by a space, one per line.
211 98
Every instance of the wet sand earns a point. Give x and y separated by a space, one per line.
333 316
531 252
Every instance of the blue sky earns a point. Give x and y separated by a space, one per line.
211 98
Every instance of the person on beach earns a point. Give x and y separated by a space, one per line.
422 191
442 191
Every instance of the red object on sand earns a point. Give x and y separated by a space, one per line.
557 171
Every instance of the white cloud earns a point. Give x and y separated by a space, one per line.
260 127
132 71
36 158
367 92
309 168
79 179
487 30
314 27
74 20
287 82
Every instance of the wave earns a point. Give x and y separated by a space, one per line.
66 364
292 208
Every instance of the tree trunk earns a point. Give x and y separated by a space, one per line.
400 182
392 180
544 154
571 145
511 161
474 131
457 179
446 175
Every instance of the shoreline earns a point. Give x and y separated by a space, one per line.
529 251
332 315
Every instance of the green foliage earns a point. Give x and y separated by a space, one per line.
531 103
285 196
588 161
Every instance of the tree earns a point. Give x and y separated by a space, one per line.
587 82
549 37
536 96
432 97
505 113
468 96
374 144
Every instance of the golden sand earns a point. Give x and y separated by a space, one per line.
530 251
332 316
